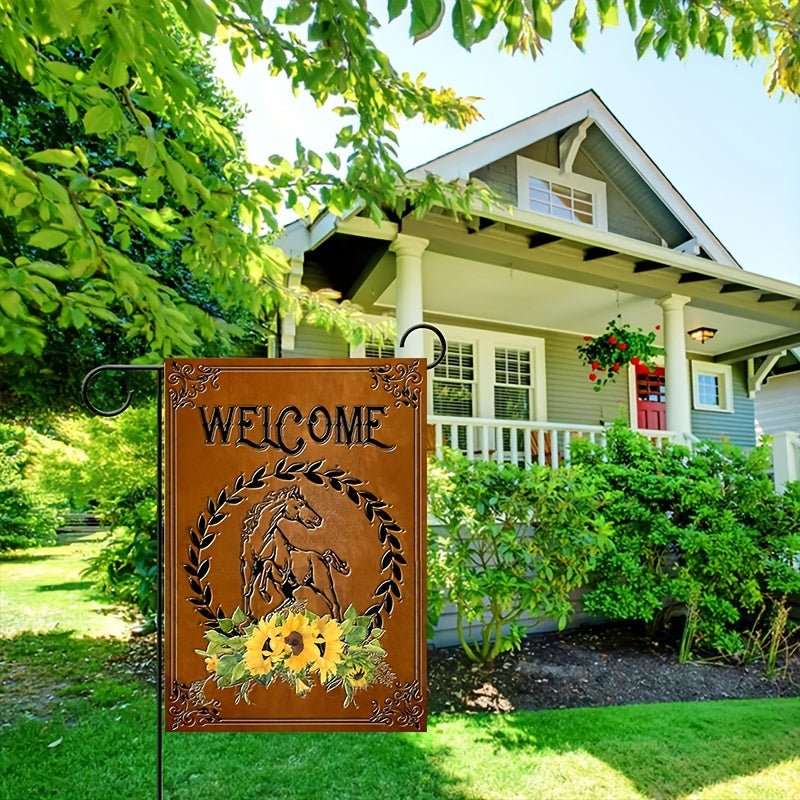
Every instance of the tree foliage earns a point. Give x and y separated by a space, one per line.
178 182
745 29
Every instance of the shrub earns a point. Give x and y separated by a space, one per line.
28 516
511 542
109 465
700 534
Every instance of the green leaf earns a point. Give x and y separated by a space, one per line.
609 13
53 271
643 40
12 304
152 189
543 19
579 24
201 17
98 119
62 158
630 8
464 23
426 16
47 238
396 8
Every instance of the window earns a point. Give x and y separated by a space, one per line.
512 386
543 189
560 200
384 349
454 380
488 374
712 386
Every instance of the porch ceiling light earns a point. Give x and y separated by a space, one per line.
702 334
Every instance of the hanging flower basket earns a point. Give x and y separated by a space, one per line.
618 345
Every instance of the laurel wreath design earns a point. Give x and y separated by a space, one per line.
203 534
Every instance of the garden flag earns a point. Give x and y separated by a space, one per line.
295 544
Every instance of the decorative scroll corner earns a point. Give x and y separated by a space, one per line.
187 381
188 706
402 381
404 708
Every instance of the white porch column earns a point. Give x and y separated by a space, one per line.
288 325
676 367
785 459
408 251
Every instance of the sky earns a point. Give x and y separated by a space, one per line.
728 147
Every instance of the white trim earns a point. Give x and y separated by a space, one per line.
484 343
569 143
528 168
724 375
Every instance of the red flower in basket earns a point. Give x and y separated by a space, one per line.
617 346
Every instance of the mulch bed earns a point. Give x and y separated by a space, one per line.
599 666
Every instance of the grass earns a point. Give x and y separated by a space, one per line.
93 736
42 590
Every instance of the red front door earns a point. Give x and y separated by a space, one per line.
651 400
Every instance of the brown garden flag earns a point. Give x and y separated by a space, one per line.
295 546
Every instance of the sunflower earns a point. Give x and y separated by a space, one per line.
298 637
211 663
328 644
264 648
356 676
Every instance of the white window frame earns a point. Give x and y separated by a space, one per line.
528 168
484 344
724 375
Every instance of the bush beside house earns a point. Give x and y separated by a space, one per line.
654 534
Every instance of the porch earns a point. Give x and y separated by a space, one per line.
523 442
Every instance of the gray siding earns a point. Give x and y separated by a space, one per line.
738 427
777 406
311 342
502 177
570 397
623 218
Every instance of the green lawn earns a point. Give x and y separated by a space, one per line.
86 732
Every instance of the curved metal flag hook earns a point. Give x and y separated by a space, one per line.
439 335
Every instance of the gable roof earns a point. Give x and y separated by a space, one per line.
622 158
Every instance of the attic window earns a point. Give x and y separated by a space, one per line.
543 189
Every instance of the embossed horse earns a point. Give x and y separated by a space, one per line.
270 561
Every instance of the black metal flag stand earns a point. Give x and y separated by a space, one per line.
159 370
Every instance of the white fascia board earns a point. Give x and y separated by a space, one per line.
299 237
635 248
473 156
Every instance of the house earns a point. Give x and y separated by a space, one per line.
587 228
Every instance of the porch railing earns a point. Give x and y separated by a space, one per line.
529 442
